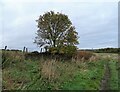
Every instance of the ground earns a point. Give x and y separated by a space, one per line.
100 72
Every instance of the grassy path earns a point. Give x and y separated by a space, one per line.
105 81
88 80
110 78
104 75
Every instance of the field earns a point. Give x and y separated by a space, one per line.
92 71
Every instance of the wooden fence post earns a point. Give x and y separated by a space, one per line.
23 49
5 47
26 50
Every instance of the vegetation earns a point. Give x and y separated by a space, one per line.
114 75
56 33
108 50
42 73
61 66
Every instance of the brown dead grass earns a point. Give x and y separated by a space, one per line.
49 70
84 55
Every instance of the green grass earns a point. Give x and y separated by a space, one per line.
41 74
87 80
114 75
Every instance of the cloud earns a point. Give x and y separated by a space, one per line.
21 1
96 23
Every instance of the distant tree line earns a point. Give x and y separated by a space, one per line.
107 50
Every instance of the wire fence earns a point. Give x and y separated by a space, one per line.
24 49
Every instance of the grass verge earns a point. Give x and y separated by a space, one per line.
114 75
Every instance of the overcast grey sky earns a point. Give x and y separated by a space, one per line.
96 22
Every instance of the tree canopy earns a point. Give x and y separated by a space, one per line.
56 31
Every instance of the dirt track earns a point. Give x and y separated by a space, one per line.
106 77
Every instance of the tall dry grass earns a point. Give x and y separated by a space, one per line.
52 69
49 70
10 57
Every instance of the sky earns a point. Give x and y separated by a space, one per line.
96 21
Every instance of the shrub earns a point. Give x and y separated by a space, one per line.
35 52
84 54
53 50
66 50
70 50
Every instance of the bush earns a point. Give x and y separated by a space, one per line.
53 50
84 54
66 50
35 52
70 50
